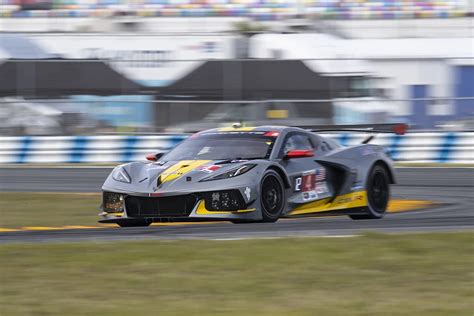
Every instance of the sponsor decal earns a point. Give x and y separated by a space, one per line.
322 187
344 200
349 199
310 195
357 186
247 193
209 169
321 174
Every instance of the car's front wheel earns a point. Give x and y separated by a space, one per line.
378 194
272 196
134 223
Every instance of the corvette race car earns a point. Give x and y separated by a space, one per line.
253 174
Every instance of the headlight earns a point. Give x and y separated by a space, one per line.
231 173
121 175
112 202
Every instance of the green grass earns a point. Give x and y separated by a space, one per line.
48 209
425 274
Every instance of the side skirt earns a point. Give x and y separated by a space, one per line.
339 203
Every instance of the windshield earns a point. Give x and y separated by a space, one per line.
224 146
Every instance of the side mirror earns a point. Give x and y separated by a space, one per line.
299 154
154 157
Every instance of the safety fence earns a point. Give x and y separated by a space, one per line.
429 147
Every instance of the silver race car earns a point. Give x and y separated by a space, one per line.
253 174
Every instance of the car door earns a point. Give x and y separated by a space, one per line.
308 178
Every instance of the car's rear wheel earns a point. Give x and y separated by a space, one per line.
378 194
272 196
134 223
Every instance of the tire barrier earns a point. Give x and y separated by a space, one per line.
430 147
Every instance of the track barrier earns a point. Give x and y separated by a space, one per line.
426 147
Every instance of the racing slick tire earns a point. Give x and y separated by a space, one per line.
272 196
272 199
378 194
135 223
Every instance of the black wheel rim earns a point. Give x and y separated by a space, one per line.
378 192
271 196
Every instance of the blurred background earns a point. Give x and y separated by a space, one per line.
86 84
75 67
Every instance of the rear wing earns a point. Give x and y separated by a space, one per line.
396 128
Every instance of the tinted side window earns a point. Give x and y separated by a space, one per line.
297 142
325 146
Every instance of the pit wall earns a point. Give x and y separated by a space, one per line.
430 147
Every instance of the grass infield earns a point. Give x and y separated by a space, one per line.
48 209
373 274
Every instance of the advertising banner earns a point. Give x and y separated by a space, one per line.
149 60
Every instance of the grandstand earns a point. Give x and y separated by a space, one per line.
256 9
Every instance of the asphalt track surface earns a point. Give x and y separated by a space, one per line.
452 189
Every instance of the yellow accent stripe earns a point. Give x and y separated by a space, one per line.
201 210
9 230
78 227
118 214
350 200
396 206
238 129
41 228
181 168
